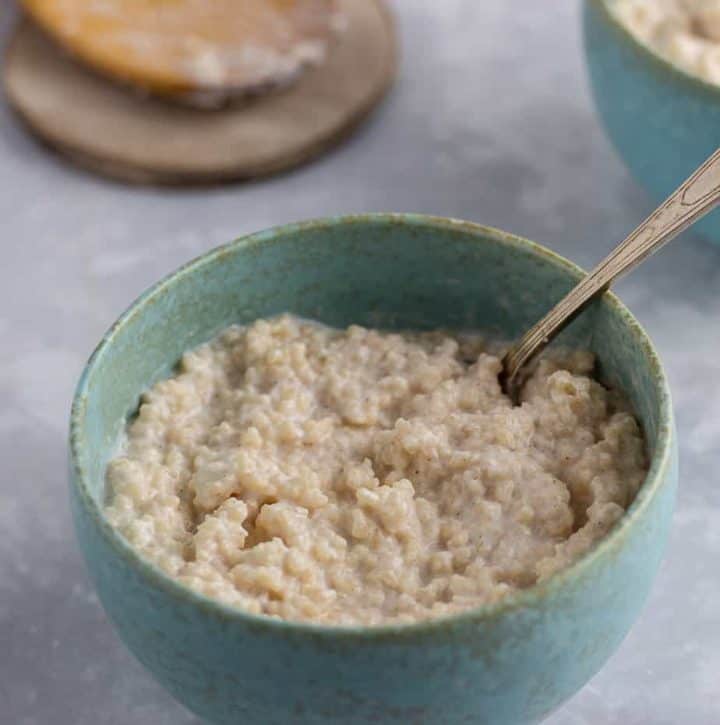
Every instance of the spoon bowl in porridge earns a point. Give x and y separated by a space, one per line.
344 520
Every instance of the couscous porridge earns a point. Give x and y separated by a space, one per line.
686 32
365 477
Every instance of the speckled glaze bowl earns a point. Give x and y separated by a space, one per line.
505 664
663 121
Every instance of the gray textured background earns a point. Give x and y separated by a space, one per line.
491 121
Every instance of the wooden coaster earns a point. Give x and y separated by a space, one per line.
113 131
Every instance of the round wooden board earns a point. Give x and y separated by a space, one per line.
111 130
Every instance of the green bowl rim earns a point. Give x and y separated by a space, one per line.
525 598
658 63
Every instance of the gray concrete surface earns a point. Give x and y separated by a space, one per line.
491 121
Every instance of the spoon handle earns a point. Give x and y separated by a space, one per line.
692 200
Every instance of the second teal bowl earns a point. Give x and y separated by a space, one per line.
663 121
506 664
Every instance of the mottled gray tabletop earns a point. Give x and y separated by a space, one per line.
491 120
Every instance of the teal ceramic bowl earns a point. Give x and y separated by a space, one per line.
504 664
663 121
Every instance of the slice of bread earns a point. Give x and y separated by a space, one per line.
196 51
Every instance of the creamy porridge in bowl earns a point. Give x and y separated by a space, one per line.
364 477
654 73
685 32
294 522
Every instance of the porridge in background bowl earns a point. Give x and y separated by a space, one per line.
685 32
364 477
654 72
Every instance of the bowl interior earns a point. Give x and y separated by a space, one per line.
384 271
